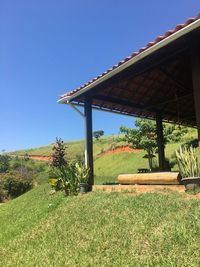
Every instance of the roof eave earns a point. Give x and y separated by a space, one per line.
194 25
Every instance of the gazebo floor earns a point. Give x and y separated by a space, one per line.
138 188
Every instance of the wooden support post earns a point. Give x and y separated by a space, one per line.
89 141
160 142
195 68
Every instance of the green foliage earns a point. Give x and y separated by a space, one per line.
64 172
98 134
14 184
18 163
174 133
17 185
4 163
188 162
3 192
53 182
69 177
145 136
107 166
20 177
58 156
75 149
82 172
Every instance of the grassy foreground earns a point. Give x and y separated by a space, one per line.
99 229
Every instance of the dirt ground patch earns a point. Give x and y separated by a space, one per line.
34 157
120 150
191 196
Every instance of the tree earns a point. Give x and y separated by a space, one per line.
4 163
173 133
145 136
98 134
62 170
58 156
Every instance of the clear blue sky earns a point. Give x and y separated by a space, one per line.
49 47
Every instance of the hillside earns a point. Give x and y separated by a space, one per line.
107 166
99 229
74 148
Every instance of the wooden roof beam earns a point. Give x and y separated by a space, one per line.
167 101
173 79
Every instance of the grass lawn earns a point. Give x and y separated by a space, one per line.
100 229
108 167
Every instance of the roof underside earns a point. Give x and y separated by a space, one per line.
160 82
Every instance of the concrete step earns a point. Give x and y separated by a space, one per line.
138 188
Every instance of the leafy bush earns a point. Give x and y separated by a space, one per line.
70 179
65 178
14 184
3 193
17 163
188 162
58 156
4 163
62 171
98 134
65 175
81 172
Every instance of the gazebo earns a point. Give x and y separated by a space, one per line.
161 81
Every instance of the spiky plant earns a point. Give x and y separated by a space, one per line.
82 172
188 162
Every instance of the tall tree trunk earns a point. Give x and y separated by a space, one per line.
149 160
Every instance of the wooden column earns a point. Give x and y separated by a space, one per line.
160 142
195 68
88 140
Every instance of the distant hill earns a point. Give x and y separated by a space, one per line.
107 166
74 148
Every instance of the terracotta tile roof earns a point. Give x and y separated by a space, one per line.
150 44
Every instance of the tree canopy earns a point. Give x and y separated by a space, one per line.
144 135
98 134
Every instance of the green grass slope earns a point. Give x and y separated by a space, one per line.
74 148
99 229
108 166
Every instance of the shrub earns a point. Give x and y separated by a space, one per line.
65 178
4 163
62 171
17 163
14 184
69 177
98 134
188 162
82 173
66 175
3 193
58 156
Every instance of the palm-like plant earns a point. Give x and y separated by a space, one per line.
188 162
82 172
